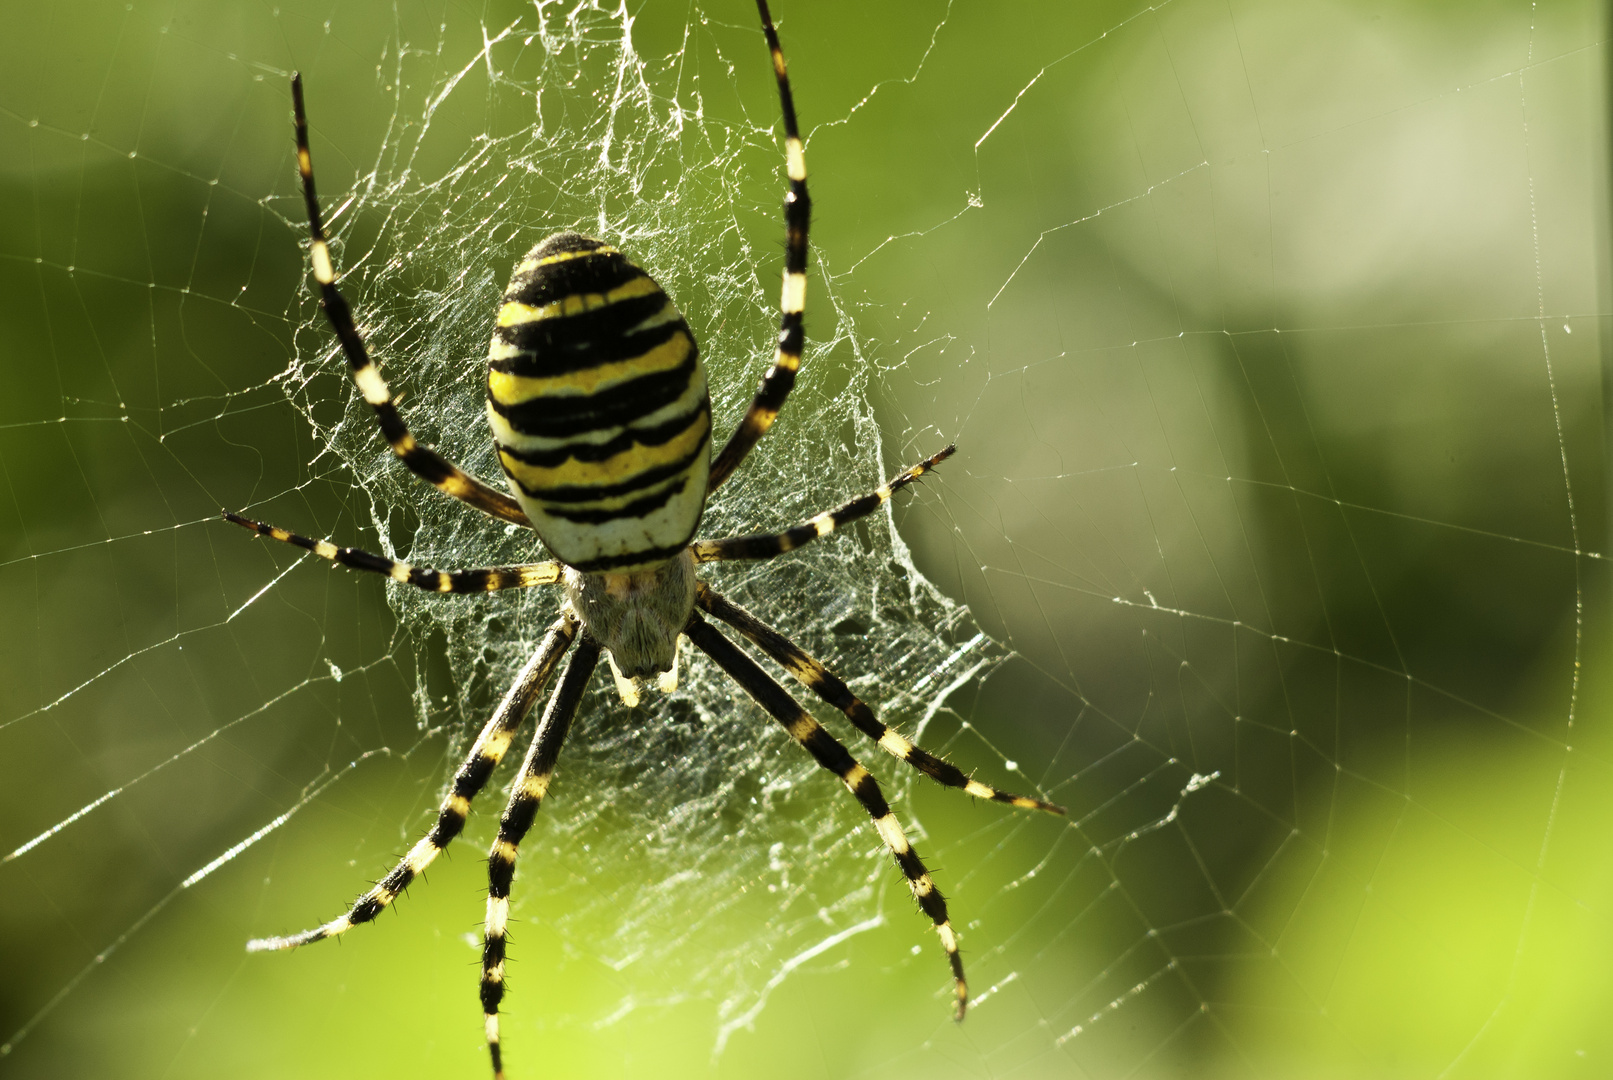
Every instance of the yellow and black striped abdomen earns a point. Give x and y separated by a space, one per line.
599 407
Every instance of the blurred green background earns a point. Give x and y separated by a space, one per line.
1272 337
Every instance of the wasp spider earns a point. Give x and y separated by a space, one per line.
601 418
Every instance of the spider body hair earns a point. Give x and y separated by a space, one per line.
636 615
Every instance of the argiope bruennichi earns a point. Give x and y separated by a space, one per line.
600 414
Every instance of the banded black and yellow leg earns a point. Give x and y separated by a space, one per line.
829 753
479 764
525 797
487 579
829 686
780 378
768 545
422 461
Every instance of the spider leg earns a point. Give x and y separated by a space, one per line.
425 463
479 764
768 545
525 796
780 378
829 753
829 686
488 579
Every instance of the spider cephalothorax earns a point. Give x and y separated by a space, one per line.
637 615
601 418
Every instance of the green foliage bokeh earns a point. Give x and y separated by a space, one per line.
1271 335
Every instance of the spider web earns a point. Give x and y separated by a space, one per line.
1270 336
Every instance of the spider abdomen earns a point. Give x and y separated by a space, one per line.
599 407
